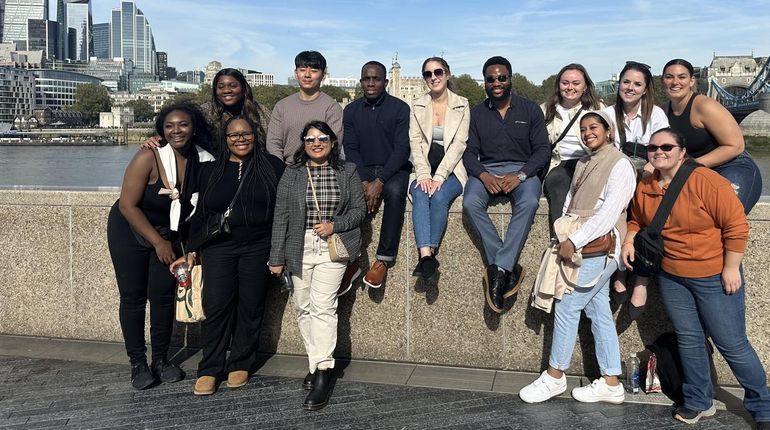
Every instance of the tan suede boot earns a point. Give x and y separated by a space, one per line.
205 386
237 378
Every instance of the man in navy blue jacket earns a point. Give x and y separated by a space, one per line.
507 149
376 139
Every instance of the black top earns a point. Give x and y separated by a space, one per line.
255 225
520 137
698 141
377 134
156 207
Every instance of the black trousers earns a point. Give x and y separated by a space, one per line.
235 281
141 277
555 188
394 198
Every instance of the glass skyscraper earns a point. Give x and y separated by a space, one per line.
79 18
15 17
131 38
102 40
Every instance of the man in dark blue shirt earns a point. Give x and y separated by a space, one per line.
376 139
507 149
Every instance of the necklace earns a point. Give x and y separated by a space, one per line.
240 170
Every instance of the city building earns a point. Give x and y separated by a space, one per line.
155 96
191 76
79 19
210 71
15 16
102 40
257 79
11 56
131 38
119 116
609 87
62 48
2 13
407 88
162 61
171 71
733 72
17 93
43 35
58 118
114 72
56 88
344 83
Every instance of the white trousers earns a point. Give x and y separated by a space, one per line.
315 300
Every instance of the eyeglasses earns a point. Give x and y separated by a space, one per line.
498 78
437 73
240 136
638 64
666 147
323 138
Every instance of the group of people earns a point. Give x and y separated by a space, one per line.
295 195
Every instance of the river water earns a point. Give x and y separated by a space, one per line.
94 167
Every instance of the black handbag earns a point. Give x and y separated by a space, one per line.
215 225
648 242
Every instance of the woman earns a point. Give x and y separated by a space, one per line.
635 109
701 280
142 234
231 96
319 195
573 93
235 271
599 194
713 137
438 132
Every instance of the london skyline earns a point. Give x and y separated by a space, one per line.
538 37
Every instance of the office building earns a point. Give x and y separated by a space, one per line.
15 16
79 19
43 35
56 88
131 37
62 48
162 61
2 13
101 34
17 93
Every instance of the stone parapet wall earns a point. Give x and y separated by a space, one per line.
56 280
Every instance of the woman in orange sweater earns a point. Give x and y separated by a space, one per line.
701 279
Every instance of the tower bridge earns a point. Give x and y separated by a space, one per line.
738 82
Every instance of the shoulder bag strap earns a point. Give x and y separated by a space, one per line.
237 191
566 129
312 188
674 189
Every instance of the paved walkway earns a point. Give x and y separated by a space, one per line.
49 383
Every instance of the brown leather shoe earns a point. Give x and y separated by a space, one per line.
205 386
352 272
376 274
237 378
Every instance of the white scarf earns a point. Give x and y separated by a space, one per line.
168 161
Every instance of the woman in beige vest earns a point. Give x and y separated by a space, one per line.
601 188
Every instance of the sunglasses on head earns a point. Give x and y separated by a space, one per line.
499 78
666 147
437 73
323 138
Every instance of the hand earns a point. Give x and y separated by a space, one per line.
181 260
276 270
324 229
435 186
491 183
424 184
647 170
566 250
509 182
373 194
731 280
627 255
165 252
151 142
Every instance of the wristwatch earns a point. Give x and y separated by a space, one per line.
521 175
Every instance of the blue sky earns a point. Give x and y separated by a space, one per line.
538 37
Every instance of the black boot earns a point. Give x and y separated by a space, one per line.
141 376
307 383
167 372
495 287
319 395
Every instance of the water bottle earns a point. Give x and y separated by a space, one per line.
632 375
182 275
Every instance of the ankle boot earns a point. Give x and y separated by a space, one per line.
319 395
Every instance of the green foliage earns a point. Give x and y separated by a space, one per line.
336 93
90 99
181 97
143 111
546 89
203 95
524 88
467 87
269 96
660 94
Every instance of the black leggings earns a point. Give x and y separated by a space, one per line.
555 188
141 276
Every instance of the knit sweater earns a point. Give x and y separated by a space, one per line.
289 117
707 219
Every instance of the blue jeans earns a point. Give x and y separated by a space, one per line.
744 174
699 307
430 214
596 303
524 201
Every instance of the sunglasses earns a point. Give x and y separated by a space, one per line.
323 138
240 136
437 73
666 147
498 78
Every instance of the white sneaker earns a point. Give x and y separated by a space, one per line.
543 388
599 391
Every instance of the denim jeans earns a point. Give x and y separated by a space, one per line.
430 214
699 307
744 174
524 199
596 303
394 198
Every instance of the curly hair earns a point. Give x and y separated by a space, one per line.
335 159
201 132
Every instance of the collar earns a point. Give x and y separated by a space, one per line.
491 106
377 102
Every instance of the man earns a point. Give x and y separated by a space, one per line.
291 113
507 149
377 141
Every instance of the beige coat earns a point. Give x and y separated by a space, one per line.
456 123
554 129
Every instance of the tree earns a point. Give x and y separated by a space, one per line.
660 94
269 96
203 95
524 88
546 88
467 87
336 93
90 99
181 97
143 111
